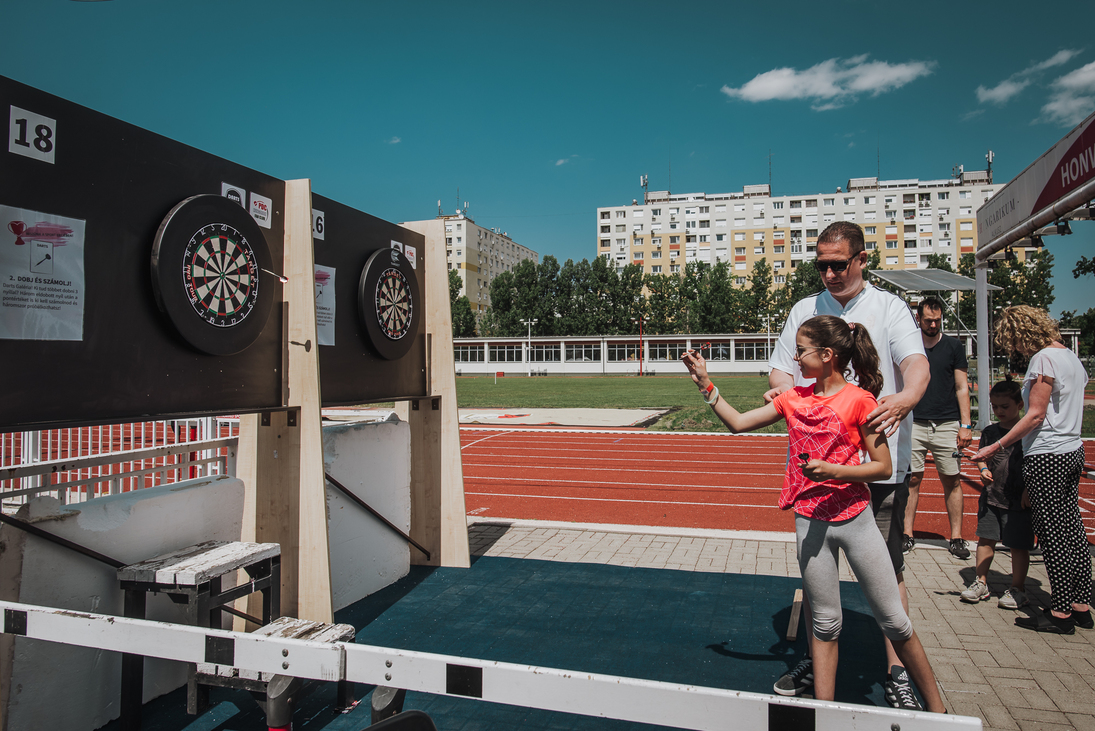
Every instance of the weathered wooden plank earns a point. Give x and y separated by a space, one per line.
196 564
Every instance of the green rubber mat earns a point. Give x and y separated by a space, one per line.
709 629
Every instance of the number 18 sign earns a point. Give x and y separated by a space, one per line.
32 135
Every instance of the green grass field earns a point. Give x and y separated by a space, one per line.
677 393
689 412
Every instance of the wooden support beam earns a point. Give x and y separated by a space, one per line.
796 612
281 452
314 581
438 513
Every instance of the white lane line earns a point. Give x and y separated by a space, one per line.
657 502
778 472
672 434
492 436
621 500
601 483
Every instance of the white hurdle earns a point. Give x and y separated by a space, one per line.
586 694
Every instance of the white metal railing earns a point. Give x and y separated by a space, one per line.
80 463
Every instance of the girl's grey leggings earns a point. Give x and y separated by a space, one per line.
858 537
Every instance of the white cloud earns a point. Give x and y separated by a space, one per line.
1003 91
1073 97
1014 84
1058 59
395 140
830 84
564 160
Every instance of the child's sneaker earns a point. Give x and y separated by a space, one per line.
1013 599
899 691
978 591
797 680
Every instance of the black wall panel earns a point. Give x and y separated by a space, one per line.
131 364
353 371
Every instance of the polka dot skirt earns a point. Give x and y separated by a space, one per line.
1053 481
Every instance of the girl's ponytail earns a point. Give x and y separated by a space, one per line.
850 343
864 359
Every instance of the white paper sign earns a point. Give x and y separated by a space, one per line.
412 256
325 305
261 209
32 135
319 223
235 194
41 276
398 246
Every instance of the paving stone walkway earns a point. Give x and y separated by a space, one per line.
986 666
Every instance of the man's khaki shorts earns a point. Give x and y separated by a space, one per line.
941 437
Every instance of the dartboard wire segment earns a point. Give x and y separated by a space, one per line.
393 303
220 275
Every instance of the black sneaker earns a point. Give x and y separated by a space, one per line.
908 543
958 549
796 680
899 691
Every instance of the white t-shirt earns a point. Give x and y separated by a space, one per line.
1059 433
893 330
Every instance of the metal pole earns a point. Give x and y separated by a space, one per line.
984 364
528 353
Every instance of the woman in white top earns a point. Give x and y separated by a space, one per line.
1053 459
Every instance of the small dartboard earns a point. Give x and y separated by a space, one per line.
388 303
208 263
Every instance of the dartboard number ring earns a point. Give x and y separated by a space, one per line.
220 274
210 264
389 303
394 305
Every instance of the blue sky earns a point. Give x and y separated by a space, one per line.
540 112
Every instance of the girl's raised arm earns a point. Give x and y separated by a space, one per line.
735 421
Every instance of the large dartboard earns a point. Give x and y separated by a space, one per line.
388 303
212 274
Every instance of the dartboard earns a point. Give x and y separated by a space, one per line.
394 305
388 303
212 274
220 275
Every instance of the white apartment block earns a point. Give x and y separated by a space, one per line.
478 254
905 219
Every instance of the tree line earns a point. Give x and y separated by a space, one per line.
591 298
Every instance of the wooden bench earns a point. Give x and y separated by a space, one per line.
273 692
193 576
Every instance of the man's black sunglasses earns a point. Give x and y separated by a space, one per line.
836 266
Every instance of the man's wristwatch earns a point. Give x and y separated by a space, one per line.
964 426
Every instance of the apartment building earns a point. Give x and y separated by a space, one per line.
478 254
906 220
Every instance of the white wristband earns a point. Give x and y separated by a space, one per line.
713 398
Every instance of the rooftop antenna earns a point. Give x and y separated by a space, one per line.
878 156
769 171
643 183
989 157
439 207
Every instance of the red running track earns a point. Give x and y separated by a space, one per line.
719 480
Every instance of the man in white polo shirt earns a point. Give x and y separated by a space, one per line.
841 257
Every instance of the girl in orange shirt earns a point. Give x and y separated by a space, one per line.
826 487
